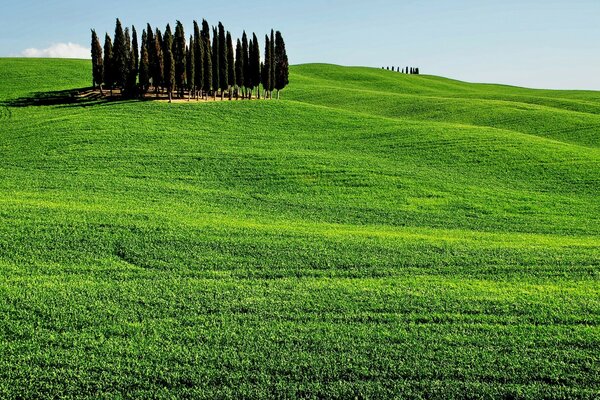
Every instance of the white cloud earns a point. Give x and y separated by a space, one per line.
59 50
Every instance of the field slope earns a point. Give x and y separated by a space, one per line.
371 235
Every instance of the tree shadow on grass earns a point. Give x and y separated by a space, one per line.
80 97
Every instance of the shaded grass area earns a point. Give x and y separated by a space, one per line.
373 235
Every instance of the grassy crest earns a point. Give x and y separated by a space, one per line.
371 235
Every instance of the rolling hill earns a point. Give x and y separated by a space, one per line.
371 235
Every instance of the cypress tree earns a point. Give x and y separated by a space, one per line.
223 67
108 61
215 63
272 65
230 65
135 49
158 68
179 54
255 64
120 57
144 65
245 61
151 50
97 62
266 68
239 68
169 62
198 60
282 64
191 67
207 56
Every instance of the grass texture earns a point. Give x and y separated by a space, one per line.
371 235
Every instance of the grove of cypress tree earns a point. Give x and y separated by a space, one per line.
108 61
239 68
191 68
216 80
158 68
246 63
179 54
198 60
144 65
255 64
120 63
223 67
207 57
282 64
169 61
97 62
230 65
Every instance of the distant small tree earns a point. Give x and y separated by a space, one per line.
282 64
169 62
108 61
191 68
207 57
144 65
97 62
266 68
239 69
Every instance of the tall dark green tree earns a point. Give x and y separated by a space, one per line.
216 80
223 67
120 64
151 50
158 67
191 68
144 65
230 65
207 56
255 64
169 61
272 64
282 64
109 79
266 68
135 50
198 60
246 61
97 62
180 59
239 69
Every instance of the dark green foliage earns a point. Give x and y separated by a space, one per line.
255 64
272 64
135 49
108 61
144 65
207 57
97 61
222 55
158 68
239 66
169 62
198 46
179 54
266 81
191 66
230 63
120 63
215 63
246 61
282 64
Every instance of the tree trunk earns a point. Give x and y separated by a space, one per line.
277 94
170 96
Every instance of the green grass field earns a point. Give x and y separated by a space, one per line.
371 235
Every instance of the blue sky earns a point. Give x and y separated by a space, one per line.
535 43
